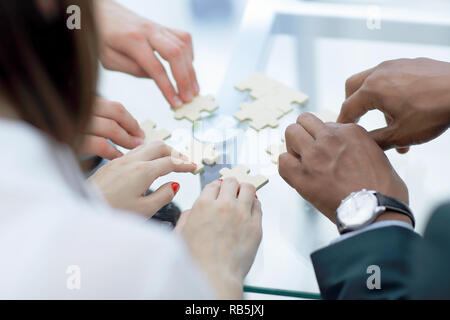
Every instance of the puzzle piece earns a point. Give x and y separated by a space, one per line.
202 153
326 115
258 84
259 114
192 110
275 149
241 172
151 134
275 93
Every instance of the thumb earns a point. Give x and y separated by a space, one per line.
403 150
383 137
158 199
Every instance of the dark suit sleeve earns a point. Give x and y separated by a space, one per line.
411 267
431 259
341 268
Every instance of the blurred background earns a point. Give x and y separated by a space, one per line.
310 50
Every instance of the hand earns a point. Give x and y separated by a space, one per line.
125 181
413 94
327 162
223 231
111 121
128 43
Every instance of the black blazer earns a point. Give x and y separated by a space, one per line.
411 267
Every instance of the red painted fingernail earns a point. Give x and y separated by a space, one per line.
256 197
175 187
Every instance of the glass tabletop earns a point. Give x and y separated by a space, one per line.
313 47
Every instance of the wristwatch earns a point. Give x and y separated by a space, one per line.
361 208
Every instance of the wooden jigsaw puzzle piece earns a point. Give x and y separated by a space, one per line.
284 97
241 173
202 153
192 110
258 84
151 134
261 86
259 114
275 150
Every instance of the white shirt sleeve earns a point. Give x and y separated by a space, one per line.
76 254
373 226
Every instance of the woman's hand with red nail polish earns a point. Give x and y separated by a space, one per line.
175 187
125 181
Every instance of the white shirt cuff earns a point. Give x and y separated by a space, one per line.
373 226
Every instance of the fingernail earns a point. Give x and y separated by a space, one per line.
139 141
256 197
175 187
189 96
196 88
220 180
142 134
178 103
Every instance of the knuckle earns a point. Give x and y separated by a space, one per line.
225 207
147 25
231 180
158 144
249 186
114 129
157 69
103 146
118 108
202 203
284 164
283 158
372 81
317 154
349 84
291 130
304 116
186 37
353 128
140 166
111 128
388 63
135 34
330 137
175 51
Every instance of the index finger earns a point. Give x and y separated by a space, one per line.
155 150
163 166
313 125
117 112
355 82
356 106
143 54
211 191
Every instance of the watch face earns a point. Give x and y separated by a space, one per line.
357 209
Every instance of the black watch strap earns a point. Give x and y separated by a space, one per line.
393 204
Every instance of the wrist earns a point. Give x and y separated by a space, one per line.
227 286
394 216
